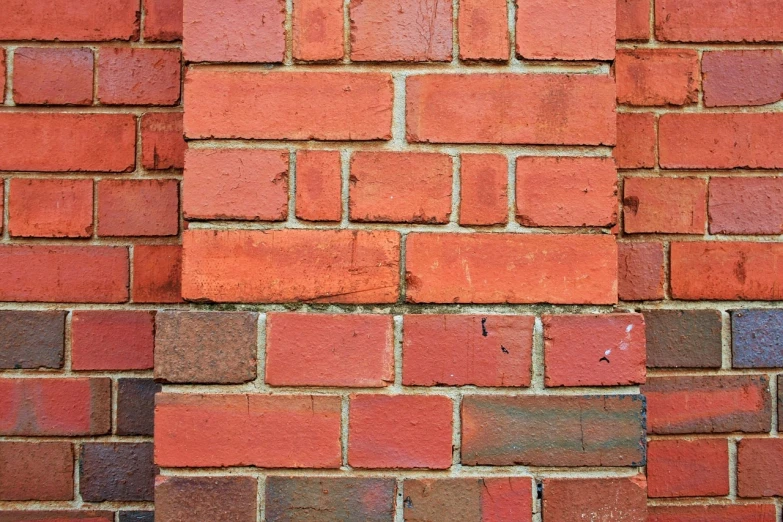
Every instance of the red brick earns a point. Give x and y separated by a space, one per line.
217 499
138 207
53 76
64 274
234 31
483 30
84 142
640 271
65 20
459 350
566 192
400 431
329 350
575 500
162 141
708 404
245 430
330 499
635 140
720 141
742 77
400 187
566 30
247 184
510 268
288 105
483 189
56 516
759 462
633 19
726 271
718 21
55 407
128 76
157 274
2 72
746 205
31 471
50 208
594 350
403 31
688 468
318 185
497 499
665 205
655 77
342 266
724 513
559 109
112 340
318 30
162 20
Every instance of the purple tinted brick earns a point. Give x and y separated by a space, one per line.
757 338
117 472
137 516
31 340
136 406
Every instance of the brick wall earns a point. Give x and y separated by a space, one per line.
400 276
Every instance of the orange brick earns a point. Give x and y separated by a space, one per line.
572 500
566 192
53 76
688 468
485 108
482 26
653 77
162 20
633 19
342 266
318 185
163 145
665 205
318 30
112 340
718 21
247 184
746 205
483 189
269 105
724 513
128 76
157 274
640 271
400 187
138 207
635 140
50 208
66 21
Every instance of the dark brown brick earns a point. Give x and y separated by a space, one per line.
56 516
206 347
36 471
32 339
136 406
683 338
217 499
137 516
609 499
117 472
333 499
553 431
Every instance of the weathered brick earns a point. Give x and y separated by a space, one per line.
112 340
83 142
400 431
483 189
742 77
234 32
343 266
2 71
657 77
36 471
117 472
400 187
594 350
757 338
130 76
137 516
566 192
759 462
244 430
288 105
318 185
640 270
217 499
724 513
334 499
635 140
497 499
162 21
780 403
69 274
575 500
633 19
582 430
157 273
665 205
162 141
329 350
683 338
403 31
560 109
50 208
65 20
482 27
206 347
136 406
746 205
510 268
52 76
718 21
708 404
726 270
566 30
55 407
56 516
246 184
688 468
148 207
32 340
318 30
459 350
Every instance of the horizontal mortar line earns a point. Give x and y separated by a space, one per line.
701 173
45 373
723 306
726 500
728 171
711 372
93 241
700 46
695 109
90 43
412 69
442 391
733 434
80 439
135 110
71 505
691 238
177 174
399 227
